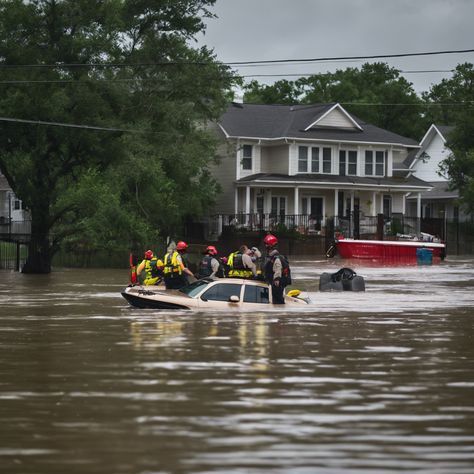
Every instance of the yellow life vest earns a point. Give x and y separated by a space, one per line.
237 269
172 266
150 271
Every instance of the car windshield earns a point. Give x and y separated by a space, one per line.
194 288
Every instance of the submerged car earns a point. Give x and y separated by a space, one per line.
221 294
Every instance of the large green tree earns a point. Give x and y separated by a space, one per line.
451 102
375 93
104 105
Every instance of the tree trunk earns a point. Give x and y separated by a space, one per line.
39 248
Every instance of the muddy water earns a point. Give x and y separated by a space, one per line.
381 381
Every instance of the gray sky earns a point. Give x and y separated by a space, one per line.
255 30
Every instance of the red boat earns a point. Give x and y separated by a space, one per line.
387 249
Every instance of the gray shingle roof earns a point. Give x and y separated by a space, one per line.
440 190
335 179
285 121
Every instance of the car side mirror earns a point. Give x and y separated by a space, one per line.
234 299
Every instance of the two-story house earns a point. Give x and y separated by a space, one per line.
13 218
300 165
440 201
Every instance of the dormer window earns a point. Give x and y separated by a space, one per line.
247 157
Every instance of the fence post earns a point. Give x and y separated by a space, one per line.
17 266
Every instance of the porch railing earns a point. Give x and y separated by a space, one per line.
302 223
355 225
18 231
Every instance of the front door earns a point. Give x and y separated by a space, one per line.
313 207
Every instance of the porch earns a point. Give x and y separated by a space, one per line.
355 225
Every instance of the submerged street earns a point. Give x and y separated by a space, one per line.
380 381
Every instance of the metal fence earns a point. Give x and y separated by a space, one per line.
12 255
259 222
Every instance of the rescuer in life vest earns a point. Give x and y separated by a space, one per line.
277 270
175 271
242 264
209 265
150 270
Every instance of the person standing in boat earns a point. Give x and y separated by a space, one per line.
209 265
150 270
277 270
175 270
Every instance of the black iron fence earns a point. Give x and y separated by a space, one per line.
259 222
12 255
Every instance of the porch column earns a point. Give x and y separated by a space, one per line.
373 208
296 207
352 214
236 201
418 213
247 204
336 207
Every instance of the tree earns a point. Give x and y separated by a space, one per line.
452 103
375 93
281 92
125 68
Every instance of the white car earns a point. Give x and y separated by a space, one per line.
221 294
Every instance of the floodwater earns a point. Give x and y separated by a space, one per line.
374 382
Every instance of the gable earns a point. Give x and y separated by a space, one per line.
335 117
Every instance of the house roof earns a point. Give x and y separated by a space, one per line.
442 130
439 191
273 122
4 186
262 179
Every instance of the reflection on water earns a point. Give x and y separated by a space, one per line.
380 381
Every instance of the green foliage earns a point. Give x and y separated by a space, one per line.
456 99
147 171
375 93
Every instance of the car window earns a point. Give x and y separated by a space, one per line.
222 292
256 294
194 288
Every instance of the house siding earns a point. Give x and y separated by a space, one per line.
275 159
437 152
224 172
335 119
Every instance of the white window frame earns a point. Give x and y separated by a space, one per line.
347 154
244 157
310 161
278 198
376 153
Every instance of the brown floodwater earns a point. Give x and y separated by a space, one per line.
374 382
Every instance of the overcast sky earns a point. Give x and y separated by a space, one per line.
255 30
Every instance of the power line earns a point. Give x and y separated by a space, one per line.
233 63
69 125
99 81
308 74
306 60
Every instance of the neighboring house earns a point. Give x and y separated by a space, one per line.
13 218
439 202
302 165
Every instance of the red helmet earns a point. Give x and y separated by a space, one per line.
211 250
270 240
148 255
181 245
